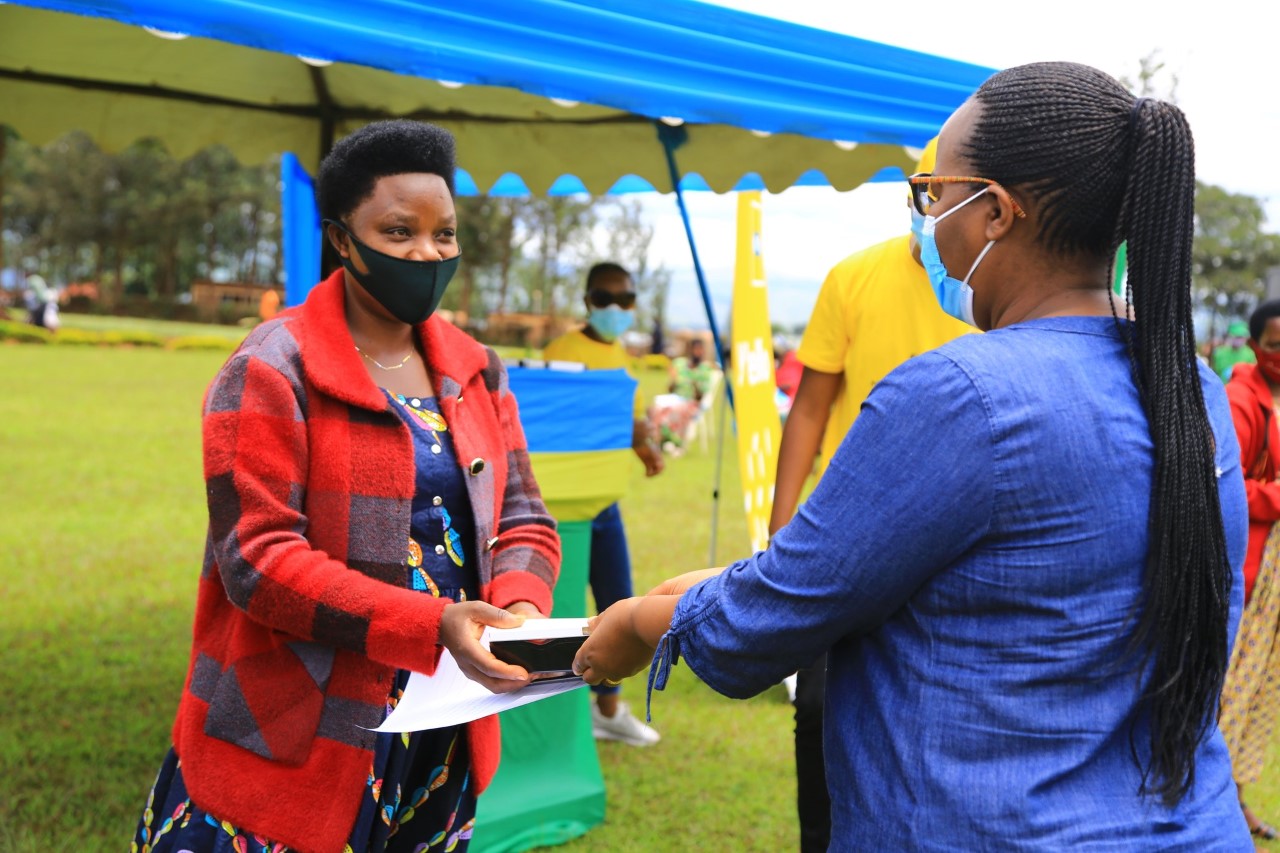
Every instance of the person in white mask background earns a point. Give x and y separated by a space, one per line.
610 301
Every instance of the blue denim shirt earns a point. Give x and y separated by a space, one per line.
973 560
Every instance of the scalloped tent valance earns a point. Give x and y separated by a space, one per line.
564 95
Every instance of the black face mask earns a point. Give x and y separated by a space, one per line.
410 290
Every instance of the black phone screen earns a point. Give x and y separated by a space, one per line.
552 657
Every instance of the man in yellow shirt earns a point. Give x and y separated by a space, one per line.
610 301
875 310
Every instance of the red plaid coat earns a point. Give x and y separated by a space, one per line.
303 614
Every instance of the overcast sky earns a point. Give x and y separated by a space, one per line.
1227 85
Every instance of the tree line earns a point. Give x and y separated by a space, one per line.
1231 253
138 222
144 226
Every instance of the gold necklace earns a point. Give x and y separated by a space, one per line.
382 366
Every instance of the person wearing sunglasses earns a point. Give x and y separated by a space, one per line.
875 310
1028 633
610 301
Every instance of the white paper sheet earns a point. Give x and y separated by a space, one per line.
449 698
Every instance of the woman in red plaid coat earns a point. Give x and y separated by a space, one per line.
370 503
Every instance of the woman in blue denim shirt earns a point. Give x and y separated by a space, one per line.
1025 559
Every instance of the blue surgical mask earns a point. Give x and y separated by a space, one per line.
917 224
611 322
955 297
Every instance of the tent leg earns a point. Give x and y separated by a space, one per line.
672 138
715 493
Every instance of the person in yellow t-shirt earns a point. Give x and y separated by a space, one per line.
875 310
610 301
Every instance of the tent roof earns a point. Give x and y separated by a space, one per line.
613 69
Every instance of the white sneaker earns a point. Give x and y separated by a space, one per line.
790 683
622 726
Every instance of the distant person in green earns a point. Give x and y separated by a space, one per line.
691 373
690 380
1234 351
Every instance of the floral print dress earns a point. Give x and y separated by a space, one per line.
1250 702
419 797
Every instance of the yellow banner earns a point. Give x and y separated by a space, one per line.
751 371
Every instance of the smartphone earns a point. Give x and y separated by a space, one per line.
545 659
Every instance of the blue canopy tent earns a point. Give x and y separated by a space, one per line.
529 86
543 96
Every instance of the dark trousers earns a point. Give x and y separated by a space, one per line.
610 570
812 800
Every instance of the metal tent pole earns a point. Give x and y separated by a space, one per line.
672 138
715 492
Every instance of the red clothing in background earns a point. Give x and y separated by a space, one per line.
788 375
1251 409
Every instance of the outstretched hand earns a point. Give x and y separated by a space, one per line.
614 650
461 626
680 584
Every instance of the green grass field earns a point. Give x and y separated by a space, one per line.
103 508
100 546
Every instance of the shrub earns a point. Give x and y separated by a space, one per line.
77 337
132 337
24 333
202 342
150 308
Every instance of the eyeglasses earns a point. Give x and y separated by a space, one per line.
603 299
926 187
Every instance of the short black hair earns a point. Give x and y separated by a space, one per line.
395 147
605 269
1258 319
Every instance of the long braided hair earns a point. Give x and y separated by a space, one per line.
1103 167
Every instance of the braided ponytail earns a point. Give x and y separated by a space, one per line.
1188 576
1103 168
